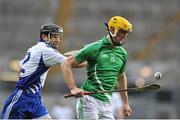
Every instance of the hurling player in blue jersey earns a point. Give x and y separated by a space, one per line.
25 100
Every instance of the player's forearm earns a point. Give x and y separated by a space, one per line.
122 84
124 96
67 74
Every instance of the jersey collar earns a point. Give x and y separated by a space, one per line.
47 44
106 41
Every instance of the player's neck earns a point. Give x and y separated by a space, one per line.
109 38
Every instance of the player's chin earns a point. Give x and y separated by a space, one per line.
57 46
118 40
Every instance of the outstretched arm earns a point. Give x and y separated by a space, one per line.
76 65
122 84
66 67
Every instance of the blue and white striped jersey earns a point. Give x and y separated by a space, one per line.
34 67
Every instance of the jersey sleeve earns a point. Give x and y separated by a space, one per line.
52 57
86 53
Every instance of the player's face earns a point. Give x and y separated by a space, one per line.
121 36
55 40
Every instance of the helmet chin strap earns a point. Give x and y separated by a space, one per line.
49 38
113 35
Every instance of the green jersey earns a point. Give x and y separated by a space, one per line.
105 62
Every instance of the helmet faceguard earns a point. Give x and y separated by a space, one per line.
52 31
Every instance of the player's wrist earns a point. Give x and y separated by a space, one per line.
71 87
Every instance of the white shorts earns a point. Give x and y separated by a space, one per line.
89 108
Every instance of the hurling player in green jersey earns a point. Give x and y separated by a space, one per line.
106 60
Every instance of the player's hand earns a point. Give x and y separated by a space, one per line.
127 110
77 92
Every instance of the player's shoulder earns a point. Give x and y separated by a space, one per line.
41 47
44 47
123 50
94 45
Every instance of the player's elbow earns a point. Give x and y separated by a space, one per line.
65 65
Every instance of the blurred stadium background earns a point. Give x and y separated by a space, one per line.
153 46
